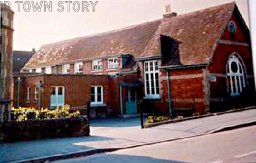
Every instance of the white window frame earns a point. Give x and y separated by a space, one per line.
236 80
36 93
38 70
152 91
113 63
30 71
56 95
28 94
78 68
66 69
97 102
97 65
48 70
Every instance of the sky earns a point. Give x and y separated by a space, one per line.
33 29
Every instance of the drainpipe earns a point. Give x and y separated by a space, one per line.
169 93
121 99
18 92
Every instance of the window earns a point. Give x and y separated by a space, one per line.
235 75
232 27
97 65
66 69
57 96
113 63
38 70
96 95
36 93
151 79
28 94
78 68
48 70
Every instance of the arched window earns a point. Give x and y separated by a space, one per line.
235 75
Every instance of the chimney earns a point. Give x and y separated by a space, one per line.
168 13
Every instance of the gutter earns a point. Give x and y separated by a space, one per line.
180 67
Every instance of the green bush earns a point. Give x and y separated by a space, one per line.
48 128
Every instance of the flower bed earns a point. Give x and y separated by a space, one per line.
30 124
23 114
48 128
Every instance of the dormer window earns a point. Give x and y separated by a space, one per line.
97 65
113 63
66 69
78 68
48 70
232 27
38 70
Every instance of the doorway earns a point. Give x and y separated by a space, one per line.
131 101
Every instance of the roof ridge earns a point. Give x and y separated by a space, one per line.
103 33
204 9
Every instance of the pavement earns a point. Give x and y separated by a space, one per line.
117 133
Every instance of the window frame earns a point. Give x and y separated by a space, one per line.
152 92
98 64
36 93
77 68
38 70
48 70
96 101
113 65
233 24
236 80
66 69
56 95
28 94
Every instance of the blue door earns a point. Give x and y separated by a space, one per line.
131 101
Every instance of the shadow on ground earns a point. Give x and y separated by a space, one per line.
114 158
17 151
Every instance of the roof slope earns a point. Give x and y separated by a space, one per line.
196 32
131 40
20 58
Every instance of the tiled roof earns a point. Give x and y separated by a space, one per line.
196 33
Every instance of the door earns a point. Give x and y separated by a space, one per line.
131 101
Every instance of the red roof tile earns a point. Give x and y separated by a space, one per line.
196 32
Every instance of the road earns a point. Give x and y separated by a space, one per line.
231 146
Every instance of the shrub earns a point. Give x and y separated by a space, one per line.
23 114
47 128
154 119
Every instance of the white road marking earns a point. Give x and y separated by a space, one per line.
245 154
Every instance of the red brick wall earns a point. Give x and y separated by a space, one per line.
186 86
219 88
29 81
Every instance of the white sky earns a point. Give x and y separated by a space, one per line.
34 29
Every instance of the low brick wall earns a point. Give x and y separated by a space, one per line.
38 129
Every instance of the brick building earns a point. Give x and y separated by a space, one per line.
6 41
200 60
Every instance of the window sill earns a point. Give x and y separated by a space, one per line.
152 98
96 70
97 104
112 69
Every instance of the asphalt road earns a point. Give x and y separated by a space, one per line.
231 146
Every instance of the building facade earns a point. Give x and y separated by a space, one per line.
6 43
200 60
